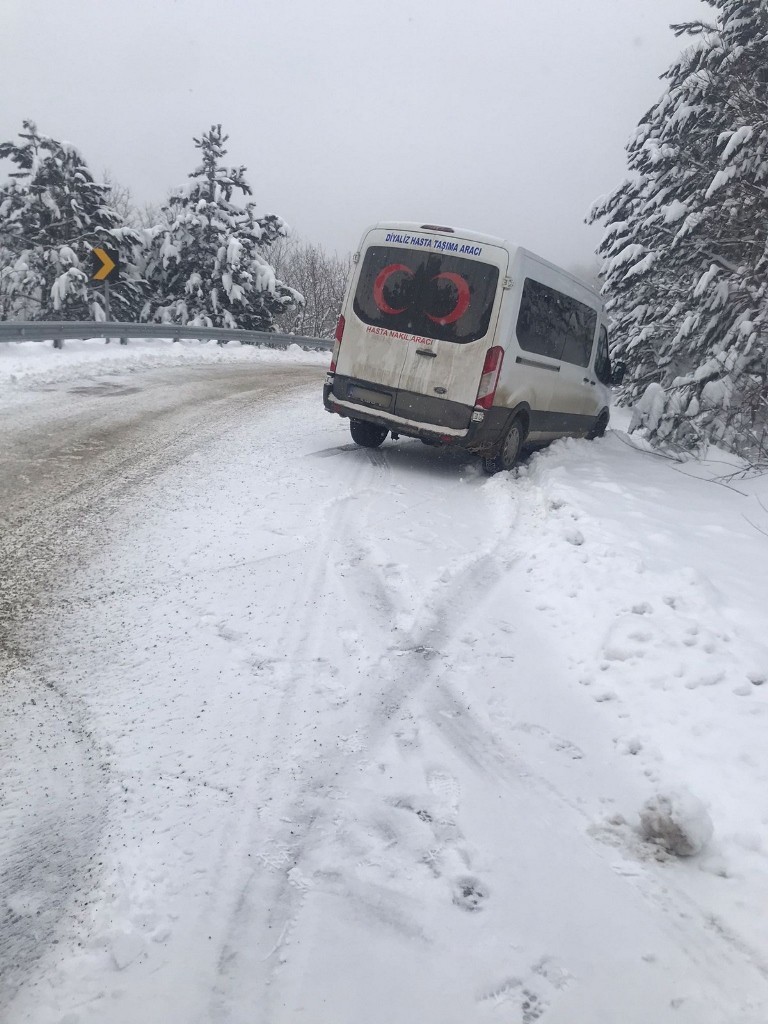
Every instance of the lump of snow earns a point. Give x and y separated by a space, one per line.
234 251
686 328
643 266
194 283
675 211
706 280
168 250
691 222
734 140
629 254
575 537
711 368
721 178
647 412
693 407
677 822
67 257
716 394
65 284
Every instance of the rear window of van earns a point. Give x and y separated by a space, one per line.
429 294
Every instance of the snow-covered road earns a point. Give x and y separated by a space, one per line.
69 461
297 731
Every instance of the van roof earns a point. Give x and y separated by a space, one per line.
478 236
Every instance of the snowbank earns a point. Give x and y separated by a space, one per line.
39 362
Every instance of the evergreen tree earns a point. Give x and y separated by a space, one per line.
684 250
206 264
52 213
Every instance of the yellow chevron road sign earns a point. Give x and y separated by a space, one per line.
106 265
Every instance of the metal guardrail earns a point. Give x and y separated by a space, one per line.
61 330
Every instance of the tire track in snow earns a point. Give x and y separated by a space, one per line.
393 677
53 809
416 677
268 893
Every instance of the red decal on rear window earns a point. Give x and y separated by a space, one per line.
381 283
462 299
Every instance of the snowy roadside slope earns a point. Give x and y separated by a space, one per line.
38 362
380 731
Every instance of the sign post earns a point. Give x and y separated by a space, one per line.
106 267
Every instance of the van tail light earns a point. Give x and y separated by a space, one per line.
338 336
489 380
341 324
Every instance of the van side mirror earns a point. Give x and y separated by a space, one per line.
617 374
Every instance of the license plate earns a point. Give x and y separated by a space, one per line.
378 398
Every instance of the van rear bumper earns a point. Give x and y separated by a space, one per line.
477 430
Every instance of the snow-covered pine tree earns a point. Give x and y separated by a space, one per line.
7 257
207 265
684 252
52 213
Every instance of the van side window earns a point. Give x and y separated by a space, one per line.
555 325
602 358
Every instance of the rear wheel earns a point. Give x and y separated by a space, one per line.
367 435
509 452
600 427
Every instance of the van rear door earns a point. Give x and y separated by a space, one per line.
456 317
424 312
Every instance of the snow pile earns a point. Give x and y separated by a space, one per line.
677 822
649 409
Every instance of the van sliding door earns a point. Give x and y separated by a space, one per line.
562 330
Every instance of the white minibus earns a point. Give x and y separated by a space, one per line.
462 339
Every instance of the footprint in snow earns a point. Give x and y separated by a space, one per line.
469 893
526 1000
226 632
526 995
445 788
555 742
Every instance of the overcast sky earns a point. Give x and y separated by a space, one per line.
507 116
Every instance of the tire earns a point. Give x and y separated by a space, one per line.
510 451
367 435
600 427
